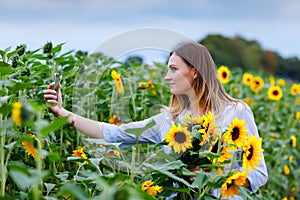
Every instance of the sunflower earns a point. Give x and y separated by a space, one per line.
225 153
297 116
17 113
224 74
118 81
247 79
272 80
115 119
257 83
179 138
286 170
293 141
294 89
229 187
79 152
236 133
191 122
151 189
281 82
30 147
274 93
251 153
248 100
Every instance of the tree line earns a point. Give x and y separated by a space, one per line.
249 55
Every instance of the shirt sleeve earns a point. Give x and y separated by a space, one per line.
154 134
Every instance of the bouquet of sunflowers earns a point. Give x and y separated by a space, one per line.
200 145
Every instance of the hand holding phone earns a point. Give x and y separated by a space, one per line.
56 78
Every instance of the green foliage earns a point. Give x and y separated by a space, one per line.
89 90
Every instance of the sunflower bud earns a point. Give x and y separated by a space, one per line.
21 49
14 62
47 48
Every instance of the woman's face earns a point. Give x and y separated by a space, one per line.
180 76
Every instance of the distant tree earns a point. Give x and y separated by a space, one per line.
249 55
270 61
133 60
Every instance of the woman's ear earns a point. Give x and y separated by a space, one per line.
194 73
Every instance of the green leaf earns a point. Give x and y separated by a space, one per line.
138 131
57 48
58 123
200 180
73 190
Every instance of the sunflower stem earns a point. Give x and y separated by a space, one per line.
132 163
3 167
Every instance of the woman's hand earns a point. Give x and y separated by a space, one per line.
54 100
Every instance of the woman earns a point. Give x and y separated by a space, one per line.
195 90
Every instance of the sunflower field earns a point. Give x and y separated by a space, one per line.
43 158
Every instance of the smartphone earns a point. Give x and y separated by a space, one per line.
56 78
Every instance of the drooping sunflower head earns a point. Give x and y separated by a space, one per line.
257 83
192 122
31 146
118 81
115 119
229 187
275 93
179 138
236 133
247 79
223 74
252 153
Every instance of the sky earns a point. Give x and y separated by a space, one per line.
86 24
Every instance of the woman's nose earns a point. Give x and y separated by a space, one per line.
167 77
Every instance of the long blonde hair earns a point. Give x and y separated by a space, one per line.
209 91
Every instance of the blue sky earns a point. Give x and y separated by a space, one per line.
84 24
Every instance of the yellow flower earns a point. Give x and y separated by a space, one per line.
294 89
118 81
298 101
251 153
257 83
291 159
30 148
224 74
236 133
17 113
117 153
272 80
286 170
247 79
248 100
293 141
225 154
229 187
151 189
281 82
79 152
115 119
274 93
297 116
179 138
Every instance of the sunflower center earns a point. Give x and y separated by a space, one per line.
224 74
235 133
250 154
229 185
180 137
275 92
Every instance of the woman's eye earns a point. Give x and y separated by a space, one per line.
172 68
